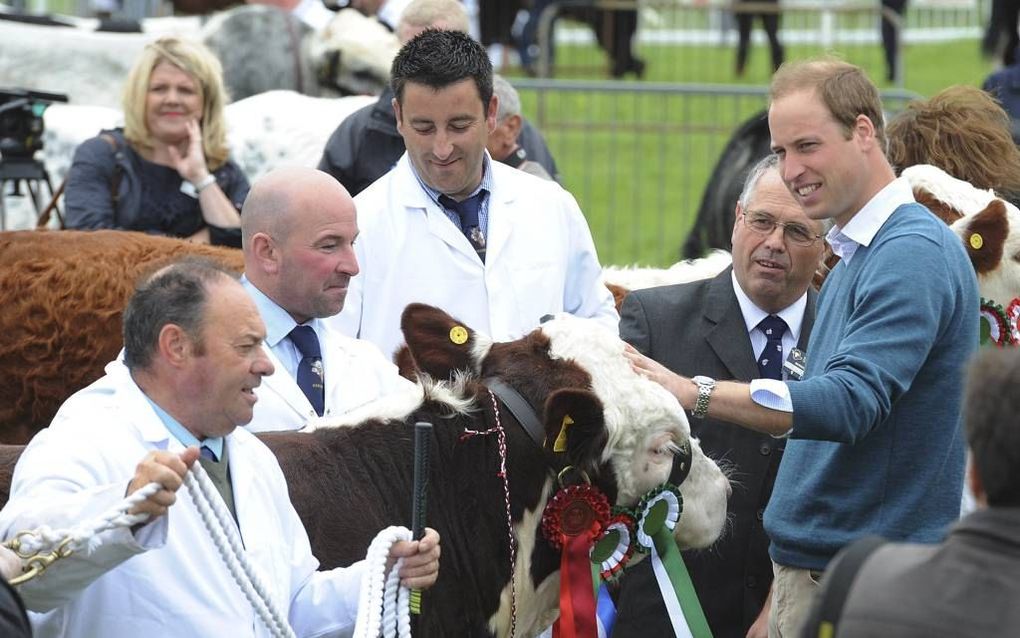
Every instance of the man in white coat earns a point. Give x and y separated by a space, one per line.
493 246
297 230
192 361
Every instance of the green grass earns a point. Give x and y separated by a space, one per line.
638 161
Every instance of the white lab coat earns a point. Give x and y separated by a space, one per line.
540 260
355 373
167 580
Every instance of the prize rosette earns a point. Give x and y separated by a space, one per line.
572 521
575 510
616 544
995 325
659 509
1013 319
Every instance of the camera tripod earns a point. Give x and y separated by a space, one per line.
32 173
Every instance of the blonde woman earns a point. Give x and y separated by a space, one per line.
166 172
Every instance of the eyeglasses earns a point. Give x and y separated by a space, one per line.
765 224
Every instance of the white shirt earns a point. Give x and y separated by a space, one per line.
793 315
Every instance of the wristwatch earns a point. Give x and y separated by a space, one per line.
705 387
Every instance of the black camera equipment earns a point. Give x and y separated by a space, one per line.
21 135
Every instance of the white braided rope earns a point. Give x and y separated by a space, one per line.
217 520
383 604
86 535
225 536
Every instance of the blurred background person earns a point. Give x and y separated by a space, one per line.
769 22
963 131
503 144
167 171
890 37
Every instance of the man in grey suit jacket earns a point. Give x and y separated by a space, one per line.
711 327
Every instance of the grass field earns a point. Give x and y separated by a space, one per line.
638 160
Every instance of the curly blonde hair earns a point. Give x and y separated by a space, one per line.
962 130
202 65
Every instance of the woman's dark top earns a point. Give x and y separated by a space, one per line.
109 185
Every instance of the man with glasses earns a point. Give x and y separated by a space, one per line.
740 325
875 443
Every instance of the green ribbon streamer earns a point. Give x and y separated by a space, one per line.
673 562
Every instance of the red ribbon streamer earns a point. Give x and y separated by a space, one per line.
577 591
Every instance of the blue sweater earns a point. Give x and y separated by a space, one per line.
876 445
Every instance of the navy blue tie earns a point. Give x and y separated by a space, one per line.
310 376
207 453
770 363
467 210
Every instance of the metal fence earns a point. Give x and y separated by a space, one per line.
638 155
683 42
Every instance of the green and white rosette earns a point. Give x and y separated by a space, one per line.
658 513
613 549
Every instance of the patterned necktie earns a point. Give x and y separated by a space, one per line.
770 363
467 210
309 373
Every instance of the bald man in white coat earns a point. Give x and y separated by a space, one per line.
298 228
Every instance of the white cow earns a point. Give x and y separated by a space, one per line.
261 48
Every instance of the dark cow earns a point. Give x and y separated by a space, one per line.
714 224
354 478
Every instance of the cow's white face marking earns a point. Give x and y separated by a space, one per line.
641 418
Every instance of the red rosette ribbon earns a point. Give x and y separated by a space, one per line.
572 522
1013 319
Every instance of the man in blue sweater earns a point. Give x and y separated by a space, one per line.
875 444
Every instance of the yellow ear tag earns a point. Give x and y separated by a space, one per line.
976 241
561 439
458 335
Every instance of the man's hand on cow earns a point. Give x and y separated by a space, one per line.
680 387
167 469
421 560
189 159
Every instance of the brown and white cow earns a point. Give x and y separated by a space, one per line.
988 226
353 478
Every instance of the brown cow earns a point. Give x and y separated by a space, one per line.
63 294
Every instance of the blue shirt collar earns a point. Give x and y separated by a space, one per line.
485 184
182 434
278 321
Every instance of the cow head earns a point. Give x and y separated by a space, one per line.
988 226
622 430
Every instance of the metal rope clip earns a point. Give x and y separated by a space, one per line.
582 475
36 564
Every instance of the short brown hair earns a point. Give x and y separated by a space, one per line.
990 408
203 66
963 131
844 89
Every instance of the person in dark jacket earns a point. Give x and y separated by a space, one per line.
366 145
967 586
713 327
166 172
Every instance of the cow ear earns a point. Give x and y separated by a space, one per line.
984 235
575 426
438 344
